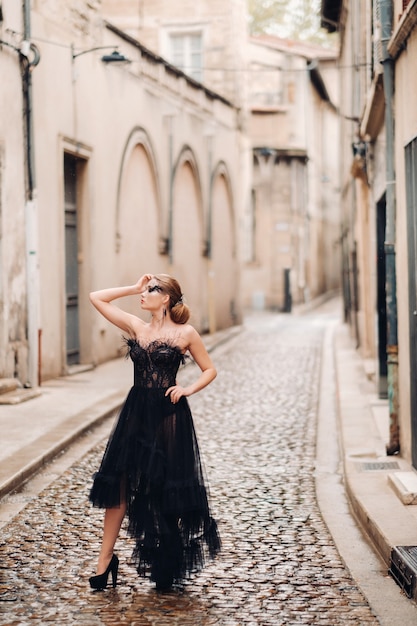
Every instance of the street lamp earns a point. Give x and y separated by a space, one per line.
114 57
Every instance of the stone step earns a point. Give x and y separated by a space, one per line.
8 384
19 394
404 485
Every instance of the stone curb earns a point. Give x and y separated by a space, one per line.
378 509
54 442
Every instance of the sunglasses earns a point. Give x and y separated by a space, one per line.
155 288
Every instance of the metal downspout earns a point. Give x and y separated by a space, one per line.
27 90
386 13
31 215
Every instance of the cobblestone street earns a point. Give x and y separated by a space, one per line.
256 425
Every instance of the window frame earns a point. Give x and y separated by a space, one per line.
186 32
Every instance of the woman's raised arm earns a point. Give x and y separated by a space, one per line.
102 301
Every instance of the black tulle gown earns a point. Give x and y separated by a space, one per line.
152 463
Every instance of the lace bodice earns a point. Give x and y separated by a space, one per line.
156 364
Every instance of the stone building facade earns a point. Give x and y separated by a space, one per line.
288 143
129 179
292 221
378 124
207 39
146 144
13 202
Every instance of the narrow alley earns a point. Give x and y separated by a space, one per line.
279 565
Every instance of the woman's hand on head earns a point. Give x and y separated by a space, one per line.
142 283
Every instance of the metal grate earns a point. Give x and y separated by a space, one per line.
380 465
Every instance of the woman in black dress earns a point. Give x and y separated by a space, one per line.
151 469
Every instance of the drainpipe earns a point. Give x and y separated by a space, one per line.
211 277
31 214
27 91
171 192
393 447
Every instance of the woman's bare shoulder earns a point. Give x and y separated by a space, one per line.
190 334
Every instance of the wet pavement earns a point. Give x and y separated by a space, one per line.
279 566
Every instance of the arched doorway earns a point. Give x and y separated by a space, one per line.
223 274
138 221
187 228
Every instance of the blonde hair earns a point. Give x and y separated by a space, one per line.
179 311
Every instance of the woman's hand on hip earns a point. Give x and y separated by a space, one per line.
176 393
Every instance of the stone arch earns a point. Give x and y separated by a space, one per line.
187 262
221 172
187 156
223 250
137 137
138 210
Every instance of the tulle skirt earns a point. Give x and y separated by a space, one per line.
152 462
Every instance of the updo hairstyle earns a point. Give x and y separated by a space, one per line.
180 312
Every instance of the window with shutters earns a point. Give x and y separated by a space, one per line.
185 51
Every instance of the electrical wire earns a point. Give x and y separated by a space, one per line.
206 68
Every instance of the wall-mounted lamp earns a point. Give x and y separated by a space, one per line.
206 249
114 57
265 152
359 149
360 160
164 245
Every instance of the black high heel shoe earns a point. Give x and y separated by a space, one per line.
99 582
